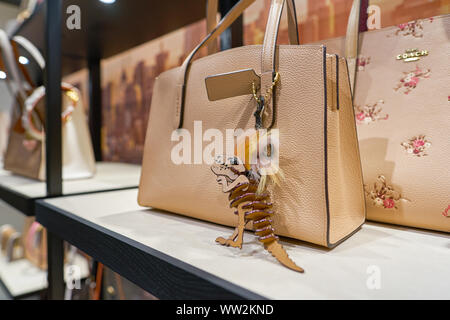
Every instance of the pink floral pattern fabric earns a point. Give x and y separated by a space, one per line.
370 113
362 62
383 195
417 146
411 79
412 28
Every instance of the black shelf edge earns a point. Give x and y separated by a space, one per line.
17 200
26 205
160 274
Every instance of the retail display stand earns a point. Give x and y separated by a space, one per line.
176 257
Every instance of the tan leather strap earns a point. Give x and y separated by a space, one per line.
11 67
268 51
212 7
269 44
226 21
211 15
2 65
31 49
22 68
269 47
292 23
352 41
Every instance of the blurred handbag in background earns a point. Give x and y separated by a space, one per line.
401 99
25 154
35 243
11 245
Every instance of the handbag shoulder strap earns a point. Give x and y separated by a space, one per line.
24 71
268 52
226 21
31 49
212 7
211 15
33 52
351 40
11 68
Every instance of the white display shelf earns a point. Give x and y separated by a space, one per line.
378 262
21 192
21 278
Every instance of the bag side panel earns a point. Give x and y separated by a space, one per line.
345 185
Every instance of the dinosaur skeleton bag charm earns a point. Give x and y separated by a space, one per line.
247 188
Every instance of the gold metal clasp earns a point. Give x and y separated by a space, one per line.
412 55
261 101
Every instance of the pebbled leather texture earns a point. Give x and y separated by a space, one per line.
423 181
310 138
190 190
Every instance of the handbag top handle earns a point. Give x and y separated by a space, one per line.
351 39
31 49
268 51
33 52
211 14
211 20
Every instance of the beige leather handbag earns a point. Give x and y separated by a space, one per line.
321 198
402 112
25 153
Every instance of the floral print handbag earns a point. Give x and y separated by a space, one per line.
402 111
